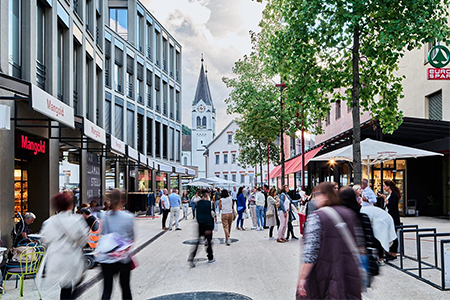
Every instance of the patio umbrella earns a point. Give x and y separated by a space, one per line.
219 181
374 152
199 183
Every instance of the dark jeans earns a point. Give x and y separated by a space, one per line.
290 230
240 220
109 270
207 233
164 218
394 247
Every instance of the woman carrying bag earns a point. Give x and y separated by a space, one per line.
115 246
272 218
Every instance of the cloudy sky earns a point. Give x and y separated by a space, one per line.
217 28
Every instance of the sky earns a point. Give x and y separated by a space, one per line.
217 28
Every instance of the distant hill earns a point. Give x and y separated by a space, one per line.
185 130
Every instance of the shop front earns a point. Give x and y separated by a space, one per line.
115 164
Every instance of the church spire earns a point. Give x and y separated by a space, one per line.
202 92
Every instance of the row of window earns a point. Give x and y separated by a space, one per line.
163 141
149 40
225 158
242 178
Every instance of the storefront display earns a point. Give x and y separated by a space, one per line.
144 179
161 180
21 186
174 181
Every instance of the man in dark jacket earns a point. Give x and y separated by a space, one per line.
205 212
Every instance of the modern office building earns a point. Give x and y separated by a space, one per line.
93 91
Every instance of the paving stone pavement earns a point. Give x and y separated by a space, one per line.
254 267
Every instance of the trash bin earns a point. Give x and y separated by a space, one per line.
411 207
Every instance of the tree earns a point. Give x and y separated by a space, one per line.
355 46
185 130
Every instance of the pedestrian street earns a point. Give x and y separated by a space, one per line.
253 267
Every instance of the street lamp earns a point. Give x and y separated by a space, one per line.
282 86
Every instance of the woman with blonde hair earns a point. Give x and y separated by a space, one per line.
358 192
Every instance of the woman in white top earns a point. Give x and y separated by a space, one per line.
226 206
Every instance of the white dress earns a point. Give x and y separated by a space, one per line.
64 235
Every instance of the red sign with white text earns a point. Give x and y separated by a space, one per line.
34 146
438 74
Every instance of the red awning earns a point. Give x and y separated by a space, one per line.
297 165
294 165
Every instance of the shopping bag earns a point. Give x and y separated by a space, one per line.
245 215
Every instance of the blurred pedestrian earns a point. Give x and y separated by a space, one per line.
260 202
205 211
217 199
272 216
175 202
330 269
234 195
165 205
121 225
65 234
107 205
185 203
252 208
241 207
283 211
226 206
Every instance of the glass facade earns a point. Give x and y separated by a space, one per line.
118 21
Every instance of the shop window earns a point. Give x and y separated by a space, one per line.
118 21
21 186
250 179
217 159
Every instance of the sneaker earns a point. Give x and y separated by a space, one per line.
381 262
295 238
271 238
253 228
178 229
228 243
212 260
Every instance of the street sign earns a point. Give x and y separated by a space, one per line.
438 74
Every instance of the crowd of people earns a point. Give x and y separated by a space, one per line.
353 252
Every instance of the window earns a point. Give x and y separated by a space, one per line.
233 177
75 70
225 158
172 103
185 161
338 109
171 64
250 178
60 63
140 133
108 113
218 175
15 37
158 93
157 47
89 91
140 83
435 106
130 73
233 158
165 141
99 96
149 136
230 139
328 118
139 32
204 122
242 178
177 67
118 21
130 127
172 143
149 88
177 106
40 45
199 122
164 94
217 159
164 54
158 139
118 123
149 40
178 145
89 25
107 63
225 176
77 8
118 81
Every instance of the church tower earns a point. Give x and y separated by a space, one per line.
203 121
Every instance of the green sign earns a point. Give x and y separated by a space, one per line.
439 56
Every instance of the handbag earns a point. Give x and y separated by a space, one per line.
114 247
245 215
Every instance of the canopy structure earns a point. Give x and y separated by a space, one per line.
199 183
374 152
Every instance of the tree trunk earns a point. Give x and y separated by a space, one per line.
357 168
262 173
282 140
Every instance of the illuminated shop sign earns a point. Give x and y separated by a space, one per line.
33 146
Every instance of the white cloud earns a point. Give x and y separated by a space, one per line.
217 28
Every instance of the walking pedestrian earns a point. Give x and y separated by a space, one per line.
260 201
194 201
217 199
175 202
205 210
226 206
283 211
272 218
291 217
165 205
265 192
65 234
330 269
234 196
241 207
121 224
185 203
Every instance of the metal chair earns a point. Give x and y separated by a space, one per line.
29 262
